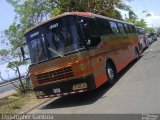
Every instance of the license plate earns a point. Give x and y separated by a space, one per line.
56 90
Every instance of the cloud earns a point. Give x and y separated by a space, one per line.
153 20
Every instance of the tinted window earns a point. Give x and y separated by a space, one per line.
121 28
126 28
114 27
134 29
131 29
137 31
93 38
91 26
103 26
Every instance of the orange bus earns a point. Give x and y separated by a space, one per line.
77 52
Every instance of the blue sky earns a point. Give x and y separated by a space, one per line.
151 6
7 15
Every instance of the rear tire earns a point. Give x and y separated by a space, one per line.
111 73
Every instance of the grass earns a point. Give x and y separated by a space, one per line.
10 104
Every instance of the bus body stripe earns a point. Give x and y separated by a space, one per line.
62 94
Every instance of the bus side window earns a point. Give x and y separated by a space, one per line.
103 26
121 28
134 29
108 27
114 27
137 30
126 28
92 34
130 28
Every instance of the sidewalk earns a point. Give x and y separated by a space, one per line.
5 94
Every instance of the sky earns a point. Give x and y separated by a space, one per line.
7 15
150 6
6 19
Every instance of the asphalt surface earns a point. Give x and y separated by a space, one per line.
8 87
136 91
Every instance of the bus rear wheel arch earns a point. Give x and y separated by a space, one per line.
111 71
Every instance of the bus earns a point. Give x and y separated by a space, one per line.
143 39
77 52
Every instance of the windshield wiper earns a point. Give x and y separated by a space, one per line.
56 52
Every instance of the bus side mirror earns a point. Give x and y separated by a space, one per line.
22 51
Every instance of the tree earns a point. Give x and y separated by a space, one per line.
158 31
31 12
140 23
28 13
126 7
103 7
10 54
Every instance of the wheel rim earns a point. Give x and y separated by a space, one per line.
110 73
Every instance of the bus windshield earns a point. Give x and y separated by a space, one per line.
52 39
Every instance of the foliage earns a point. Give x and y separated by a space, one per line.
139 23
10 54
158 31
149 30
126 7
31 12
103 7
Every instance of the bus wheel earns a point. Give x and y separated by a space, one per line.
111 73
137 54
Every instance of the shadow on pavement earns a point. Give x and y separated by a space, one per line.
84 98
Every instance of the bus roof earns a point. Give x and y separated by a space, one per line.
85 14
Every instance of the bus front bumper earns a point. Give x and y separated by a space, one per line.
66 87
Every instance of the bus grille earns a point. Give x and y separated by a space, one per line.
59 74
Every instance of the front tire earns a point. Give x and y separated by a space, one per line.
111 73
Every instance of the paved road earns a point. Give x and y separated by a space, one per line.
136 91
8 87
